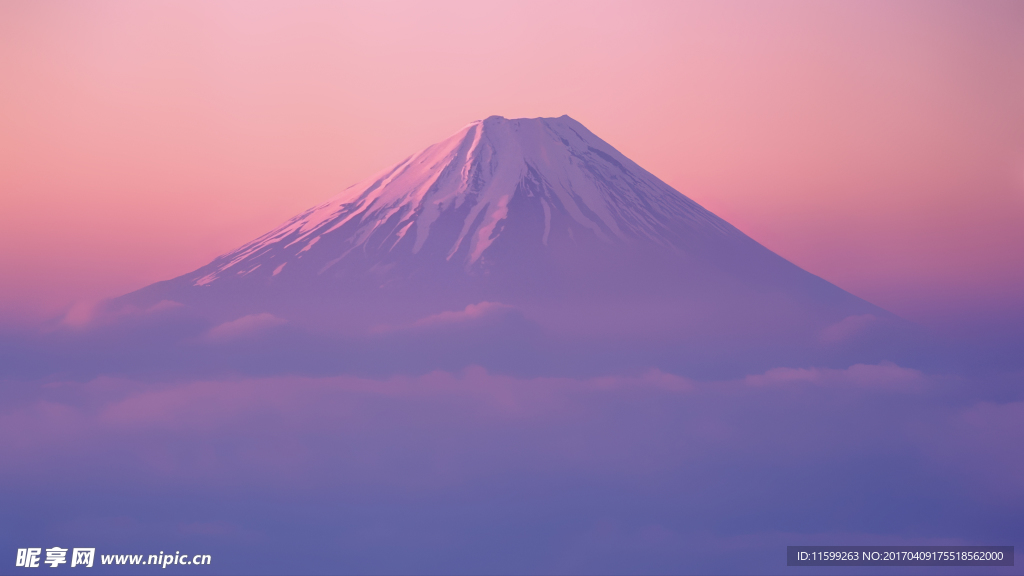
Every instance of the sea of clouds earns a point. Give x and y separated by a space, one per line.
474 471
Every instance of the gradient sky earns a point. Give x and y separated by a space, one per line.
879 145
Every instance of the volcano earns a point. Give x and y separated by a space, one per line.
529 226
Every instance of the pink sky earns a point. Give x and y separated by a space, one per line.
878 145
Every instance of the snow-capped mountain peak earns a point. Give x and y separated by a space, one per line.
459 195
515 243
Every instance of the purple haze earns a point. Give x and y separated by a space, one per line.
514 352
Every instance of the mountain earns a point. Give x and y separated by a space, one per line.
495 186
527 226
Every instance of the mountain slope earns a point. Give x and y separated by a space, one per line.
534 218
455 198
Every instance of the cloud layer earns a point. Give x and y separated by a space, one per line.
476 472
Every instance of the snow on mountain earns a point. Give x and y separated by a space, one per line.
524 244
527 246
459 195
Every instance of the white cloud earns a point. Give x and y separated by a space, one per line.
471 312
244 326
848 328
885 375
